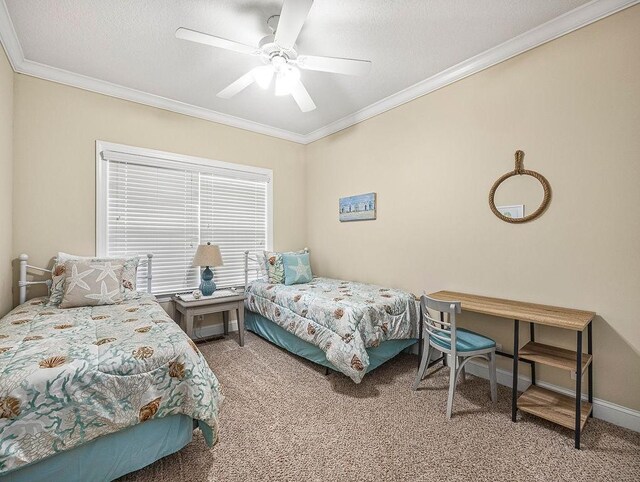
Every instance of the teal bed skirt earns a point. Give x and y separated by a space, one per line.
277 335
112 456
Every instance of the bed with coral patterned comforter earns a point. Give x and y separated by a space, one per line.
342 318
69 376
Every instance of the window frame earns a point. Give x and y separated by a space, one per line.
102 188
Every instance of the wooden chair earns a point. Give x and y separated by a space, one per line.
461 344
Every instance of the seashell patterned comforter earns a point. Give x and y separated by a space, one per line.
342 318
69 376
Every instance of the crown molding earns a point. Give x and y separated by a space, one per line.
61 76
557 27
21 65
9 38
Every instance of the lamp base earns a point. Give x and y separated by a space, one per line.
207 286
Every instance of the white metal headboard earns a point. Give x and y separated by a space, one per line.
23 283
247 258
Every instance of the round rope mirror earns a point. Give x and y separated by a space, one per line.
521 171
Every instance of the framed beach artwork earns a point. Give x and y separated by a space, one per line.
357 208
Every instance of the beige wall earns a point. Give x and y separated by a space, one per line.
573 105
54 175
6 167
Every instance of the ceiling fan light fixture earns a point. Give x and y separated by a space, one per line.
278 52
262 76
286 80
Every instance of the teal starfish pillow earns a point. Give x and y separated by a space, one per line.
296 268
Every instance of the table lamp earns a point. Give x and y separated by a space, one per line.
207 255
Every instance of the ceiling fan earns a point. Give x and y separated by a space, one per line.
278 53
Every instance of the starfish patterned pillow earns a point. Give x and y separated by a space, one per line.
296 268
274 267
92 283
58 275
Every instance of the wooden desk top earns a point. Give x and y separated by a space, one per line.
567 318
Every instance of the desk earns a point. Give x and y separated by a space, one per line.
558 408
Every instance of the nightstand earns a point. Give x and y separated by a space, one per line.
209 305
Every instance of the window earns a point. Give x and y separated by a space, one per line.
166 204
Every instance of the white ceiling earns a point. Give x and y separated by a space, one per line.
132 44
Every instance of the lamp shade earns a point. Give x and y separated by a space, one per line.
207 255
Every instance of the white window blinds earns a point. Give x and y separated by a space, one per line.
166 206
233 215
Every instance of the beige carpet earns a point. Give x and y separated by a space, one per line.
283 419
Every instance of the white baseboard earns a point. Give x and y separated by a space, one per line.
602 409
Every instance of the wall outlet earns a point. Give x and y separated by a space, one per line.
200 317
499 346
573 375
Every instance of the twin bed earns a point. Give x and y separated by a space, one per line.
345 326
95 392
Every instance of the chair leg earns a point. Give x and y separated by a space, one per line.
453 372
492 376
462 370
424 363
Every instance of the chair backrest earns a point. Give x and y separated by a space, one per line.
443 329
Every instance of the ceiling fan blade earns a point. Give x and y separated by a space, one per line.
242 83
302 97
222 43
334 64
292 17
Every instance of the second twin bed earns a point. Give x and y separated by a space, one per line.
346 326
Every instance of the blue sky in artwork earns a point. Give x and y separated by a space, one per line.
365 199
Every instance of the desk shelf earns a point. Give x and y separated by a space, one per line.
553 356
553 406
